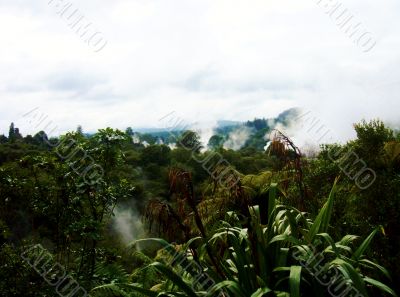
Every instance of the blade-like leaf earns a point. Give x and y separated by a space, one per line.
380 286
176 279
294 281
272 198
260 292
361 249
321 222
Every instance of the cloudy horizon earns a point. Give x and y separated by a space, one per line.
205 60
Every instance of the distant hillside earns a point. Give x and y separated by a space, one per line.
251 134
229 134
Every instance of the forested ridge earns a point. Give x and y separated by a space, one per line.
123 213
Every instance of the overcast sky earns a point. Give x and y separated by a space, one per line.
206 60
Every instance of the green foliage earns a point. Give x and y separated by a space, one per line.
373 134
190 140
278 257
17 278
249 239
156 154
13 134
216 142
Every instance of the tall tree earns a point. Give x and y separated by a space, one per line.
3 139
129 131
79 130
190 140
11 132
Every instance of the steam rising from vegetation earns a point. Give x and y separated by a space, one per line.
237 138
205 134
301 127
127 223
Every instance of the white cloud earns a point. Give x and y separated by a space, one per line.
206 60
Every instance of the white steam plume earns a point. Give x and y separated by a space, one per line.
237 138
127 223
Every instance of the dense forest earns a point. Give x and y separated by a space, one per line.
122 213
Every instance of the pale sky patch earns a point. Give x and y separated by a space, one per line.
206 60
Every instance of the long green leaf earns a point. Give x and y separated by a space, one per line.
361 249
232 286
176 279
294 281
348 270
380 286
272 198
260 292
321 222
